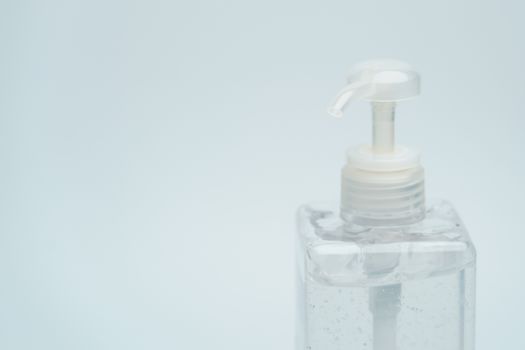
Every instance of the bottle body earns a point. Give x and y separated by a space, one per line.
407 287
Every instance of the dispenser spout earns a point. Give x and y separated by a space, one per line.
352 91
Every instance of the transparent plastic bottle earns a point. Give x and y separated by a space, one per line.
408 287
384 269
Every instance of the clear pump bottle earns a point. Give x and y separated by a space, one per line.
384 269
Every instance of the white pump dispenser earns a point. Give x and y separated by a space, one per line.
382 183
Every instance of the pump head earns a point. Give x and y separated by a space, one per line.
382 183
377 81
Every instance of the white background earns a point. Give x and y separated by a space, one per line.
153 154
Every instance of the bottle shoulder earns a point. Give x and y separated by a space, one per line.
320 221
334 248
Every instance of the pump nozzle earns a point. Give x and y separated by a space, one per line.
353 91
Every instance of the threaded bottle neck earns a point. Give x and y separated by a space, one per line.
379 193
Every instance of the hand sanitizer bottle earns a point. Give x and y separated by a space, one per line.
384 269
